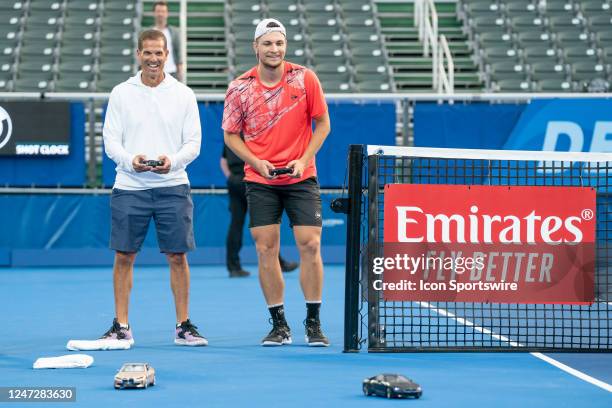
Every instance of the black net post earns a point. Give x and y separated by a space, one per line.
375 331
353 238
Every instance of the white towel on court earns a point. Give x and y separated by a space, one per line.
100 344
67 361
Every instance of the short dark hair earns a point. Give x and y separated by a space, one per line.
160 3
151 35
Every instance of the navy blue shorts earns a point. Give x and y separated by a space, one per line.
302 201
171 209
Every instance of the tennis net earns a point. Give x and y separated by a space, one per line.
537 227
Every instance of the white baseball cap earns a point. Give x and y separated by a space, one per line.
263 27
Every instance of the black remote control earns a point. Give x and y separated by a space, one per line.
153 163
281 170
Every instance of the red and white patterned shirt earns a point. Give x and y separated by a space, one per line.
276 122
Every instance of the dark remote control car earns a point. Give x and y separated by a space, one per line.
391 385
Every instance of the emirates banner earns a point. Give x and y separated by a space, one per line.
498 244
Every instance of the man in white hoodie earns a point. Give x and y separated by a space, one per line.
152 132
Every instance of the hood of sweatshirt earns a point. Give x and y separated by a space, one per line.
169 81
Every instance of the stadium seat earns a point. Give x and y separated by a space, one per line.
247 22
326 36
577 54
572 39
595 7
85 49
67 83
586 71
499 52
42 48
329 77
40 35
297 55
5 82
562 21
112 67
535 39
72 66
11 17
120 6
45 4
553 85
126 51
359 36
316 21
107 83
558 7
119 60
530 22
41 19
83 5
337 87
243 36
600 22
114 35
280 4
604 37
355 2
374 86
371 68
244 49
367 49
245 7
10 5
331 68
247 18
79 36
360 23
540 53
328 51
506 69
243 67
26 83
512 85
359 7
121 23
320 6
80 22
516 7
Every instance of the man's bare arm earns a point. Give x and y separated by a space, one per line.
237 145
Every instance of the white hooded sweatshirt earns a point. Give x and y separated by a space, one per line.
152 121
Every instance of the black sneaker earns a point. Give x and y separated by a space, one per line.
288 266
187 335
314 335
116 332
240 273
279 335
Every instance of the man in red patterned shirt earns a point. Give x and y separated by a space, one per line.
273 106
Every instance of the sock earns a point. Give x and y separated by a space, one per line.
178 324
124 326
278 313
312 310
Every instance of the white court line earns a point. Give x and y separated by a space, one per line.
549 360
573 371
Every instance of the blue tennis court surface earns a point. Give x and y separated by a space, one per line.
43 308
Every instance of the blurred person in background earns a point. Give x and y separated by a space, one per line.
174 64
